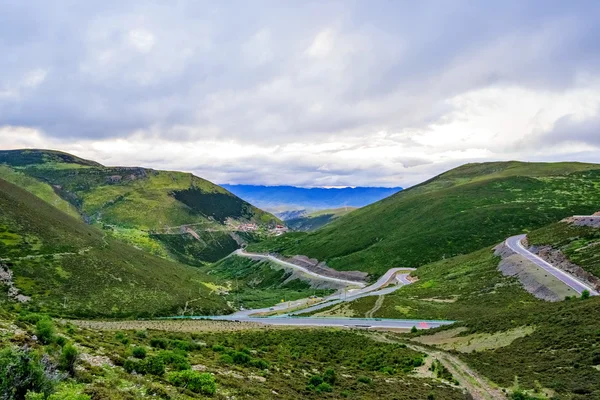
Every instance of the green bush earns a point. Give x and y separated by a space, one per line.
226 359
315 380
240 357
45 331
159 343
176 360
324 387
330 376
139 352
141 334
195 381
22 372
585 294
150 365
258 363
364 379
153 366
68 358
60 340
218 348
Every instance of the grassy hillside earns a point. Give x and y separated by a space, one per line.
69 268
203 360
258 284
503 332
133 202
317 219
455 213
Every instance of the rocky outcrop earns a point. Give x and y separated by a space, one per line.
559 260
321 268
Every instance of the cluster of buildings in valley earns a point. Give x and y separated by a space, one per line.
252 227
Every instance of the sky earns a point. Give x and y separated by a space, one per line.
305 93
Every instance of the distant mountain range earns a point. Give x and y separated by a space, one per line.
282 198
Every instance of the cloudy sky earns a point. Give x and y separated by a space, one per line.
309 93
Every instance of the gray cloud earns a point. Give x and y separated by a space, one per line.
359 74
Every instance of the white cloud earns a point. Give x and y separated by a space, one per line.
141 39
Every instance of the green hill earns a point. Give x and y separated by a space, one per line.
69 268
457 212
133 203
317 219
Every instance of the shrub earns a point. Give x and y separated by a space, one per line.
141 334
225 359
258 363
60 340
240 358
519 395
159 343
139 352
324 387
218 348
414 329
68 358
23 372
176 360
44 330
153 366
195 381
330 376
364 379
585 294
315 380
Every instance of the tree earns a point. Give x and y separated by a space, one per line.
413 329
585 294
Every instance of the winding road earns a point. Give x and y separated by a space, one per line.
515 244
389 282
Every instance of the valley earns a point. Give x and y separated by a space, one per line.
184 281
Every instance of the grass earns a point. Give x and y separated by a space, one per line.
256 364
134 202
39 189
455 213
502 331
72 269
317 219
259 284
580 244
459 288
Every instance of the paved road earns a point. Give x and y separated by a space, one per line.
514 243
339 322
242 253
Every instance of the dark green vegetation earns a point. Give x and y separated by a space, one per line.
261 364
580 244
130 202
316 220
210 247
258 284
71 269
458 212
562 353
459 288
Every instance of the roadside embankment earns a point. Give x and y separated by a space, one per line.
533 278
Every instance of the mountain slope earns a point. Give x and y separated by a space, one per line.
133 202
278 198
457 212
69 268
313 221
